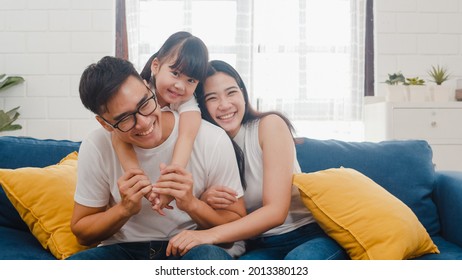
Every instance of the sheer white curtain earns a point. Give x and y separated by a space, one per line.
304 58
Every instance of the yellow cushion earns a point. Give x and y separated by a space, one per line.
44 198
365 219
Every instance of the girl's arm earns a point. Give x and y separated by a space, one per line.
189 124
125 153
278 159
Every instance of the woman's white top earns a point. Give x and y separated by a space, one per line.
248 140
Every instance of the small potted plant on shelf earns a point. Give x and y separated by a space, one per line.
396 91
440 92
417 89
9 117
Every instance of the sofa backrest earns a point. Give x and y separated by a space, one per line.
403 167
16 152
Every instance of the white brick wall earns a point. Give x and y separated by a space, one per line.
50 42
413 35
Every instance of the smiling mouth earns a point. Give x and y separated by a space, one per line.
174 94
146 132
226 117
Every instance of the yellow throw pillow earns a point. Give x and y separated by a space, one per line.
364 218
44 198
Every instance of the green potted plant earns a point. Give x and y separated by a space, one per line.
439 75
396 92
416 81
395 79
418 91
9 117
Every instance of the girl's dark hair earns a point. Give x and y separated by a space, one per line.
250 113
190 52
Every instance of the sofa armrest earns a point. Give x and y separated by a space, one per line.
448 197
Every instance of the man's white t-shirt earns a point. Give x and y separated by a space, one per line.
212 162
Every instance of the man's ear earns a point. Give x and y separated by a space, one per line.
104 124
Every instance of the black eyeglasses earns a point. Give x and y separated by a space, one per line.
128 122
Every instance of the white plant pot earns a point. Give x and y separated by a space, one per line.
397 93
441 93
418 93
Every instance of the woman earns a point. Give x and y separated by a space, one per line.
278 225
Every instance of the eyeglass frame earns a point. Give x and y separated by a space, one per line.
116 125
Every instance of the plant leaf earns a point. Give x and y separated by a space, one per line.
9 81
7 119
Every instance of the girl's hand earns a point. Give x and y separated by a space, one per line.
219 197
160 202
180 244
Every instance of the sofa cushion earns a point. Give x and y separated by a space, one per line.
448 250
403 167
365 219
9 217
20 245
47 206
16 152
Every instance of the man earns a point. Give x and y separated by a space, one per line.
110 205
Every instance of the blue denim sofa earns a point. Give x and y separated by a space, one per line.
404 168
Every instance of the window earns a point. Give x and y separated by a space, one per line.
304 58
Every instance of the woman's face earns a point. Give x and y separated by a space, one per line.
224 102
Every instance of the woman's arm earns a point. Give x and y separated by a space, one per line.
278 159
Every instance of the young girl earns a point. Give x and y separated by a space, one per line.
177 68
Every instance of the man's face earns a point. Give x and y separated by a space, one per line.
147 133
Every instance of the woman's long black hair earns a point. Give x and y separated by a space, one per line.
250 113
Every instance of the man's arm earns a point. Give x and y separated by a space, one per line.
92 225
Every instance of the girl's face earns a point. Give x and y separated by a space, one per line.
224 102
172 86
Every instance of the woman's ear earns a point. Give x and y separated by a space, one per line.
104 124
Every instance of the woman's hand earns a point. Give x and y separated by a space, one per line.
219 197
180 244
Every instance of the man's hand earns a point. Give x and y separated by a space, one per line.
219 197
177 182
133 185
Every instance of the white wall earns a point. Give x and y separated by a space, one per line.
50 42
412 35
